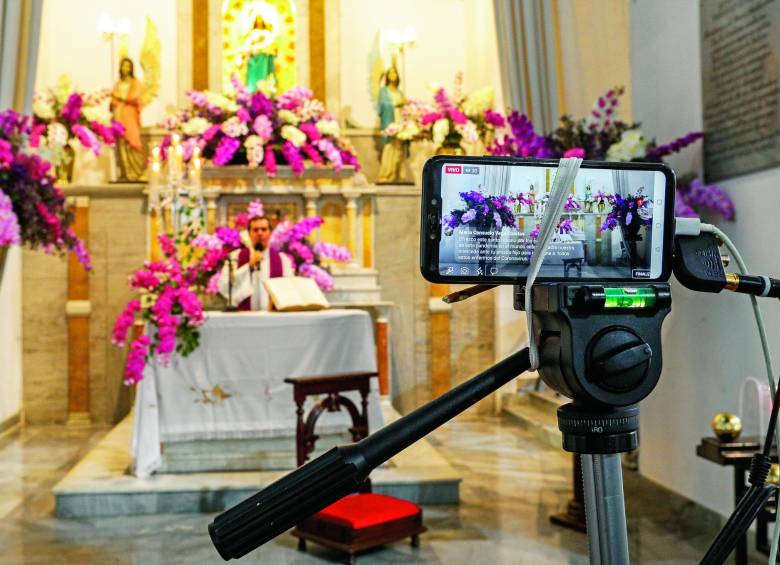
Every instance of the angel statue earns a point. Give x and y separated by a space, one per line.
391 98
128 97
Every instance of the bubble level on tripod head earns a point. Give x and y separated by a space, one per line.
629 297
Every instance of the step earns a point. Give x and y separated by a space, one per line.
535 415
349 296
248 454
99 484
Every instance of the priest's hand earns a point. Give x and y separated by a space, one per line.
255 259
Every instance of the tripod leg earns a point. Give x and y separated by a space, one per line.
604 509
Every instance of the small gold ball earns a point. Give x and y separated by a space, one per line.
726 426
774 474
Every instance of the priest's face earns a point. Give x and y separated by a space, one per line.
260 232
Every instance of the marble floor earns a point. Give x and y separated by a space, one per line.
511 483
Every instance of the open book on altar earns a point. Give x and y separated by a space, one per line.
290 294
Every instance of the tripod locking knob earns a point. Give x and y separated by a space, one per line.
619 360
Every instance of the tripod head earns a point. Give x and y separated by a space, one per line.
599 345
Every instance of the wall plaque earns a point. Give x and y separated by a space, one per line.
740 50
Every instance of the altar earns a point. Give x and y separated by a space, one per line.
232 387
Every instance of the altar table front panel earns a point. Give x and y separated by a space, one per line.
233 386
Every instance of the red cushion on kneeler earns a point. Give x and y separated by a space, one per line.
360 511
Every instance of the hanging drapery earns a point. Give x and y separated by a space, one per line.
20 26
528 51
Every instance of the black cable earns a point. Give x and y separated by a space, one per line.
770 432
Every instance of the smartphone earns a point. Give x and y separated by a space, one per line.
481 215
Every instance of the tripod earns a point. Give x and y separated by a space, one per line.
606 367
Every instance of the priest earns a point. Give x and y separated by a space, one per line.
250 265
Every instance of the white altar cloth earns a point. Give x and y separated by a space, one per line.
233 386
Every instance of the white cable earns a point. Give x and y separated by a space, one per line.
770 371
564 177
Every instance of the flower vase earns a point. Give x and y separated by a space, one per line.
602 205
64 168
587 206
631 237
450 149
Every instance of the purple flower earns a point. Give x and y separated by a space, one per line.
681 208
571 204
226 149
674 146
9 223
709 197
71 112
497 220
523 142
494 119
293 157
229 237
136 360
332 251
320 276
260 104
468 216
269 161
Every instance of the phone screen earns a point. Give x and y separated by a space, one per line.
612 226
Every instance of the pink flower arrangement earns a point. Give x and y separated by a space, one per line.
602 136
62 115
292 238
450 120
33 210
168 302
242 128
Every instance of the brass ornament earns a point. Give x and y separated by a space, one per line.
726 426
774 474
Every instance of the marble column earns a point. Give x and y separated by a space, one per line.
352 234
440 340
77 310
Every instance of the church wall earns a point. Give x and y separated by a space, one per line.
71 44
45 338
117 244
10 339
397 236
710 342
361 22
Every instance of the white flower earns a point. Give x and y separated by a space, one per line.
195 126
631 145
468 131
63 90
57 135
479 101
440 130
294 135
288 117
409 131
328 127
254 151
311 109
233 127
221 101
97 114
42 109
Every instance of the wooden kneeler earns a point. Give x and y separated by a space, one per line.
363 520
